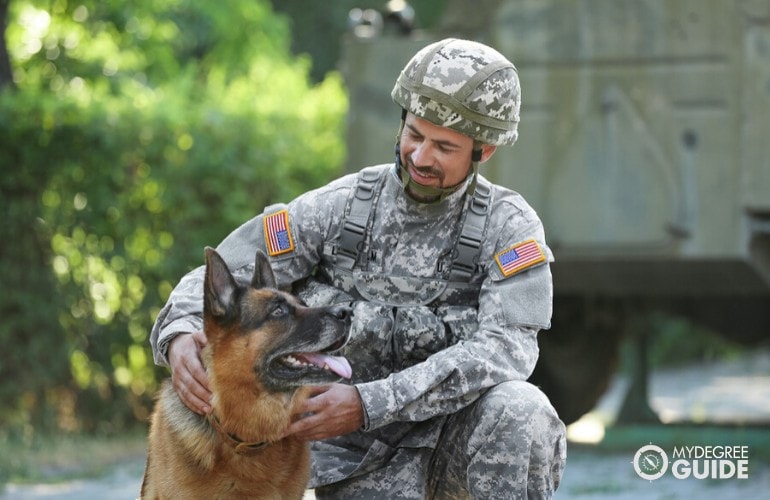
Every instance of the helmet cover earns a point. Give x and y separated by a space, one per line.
465 86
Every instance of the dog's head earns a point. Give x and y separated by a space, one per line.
285 343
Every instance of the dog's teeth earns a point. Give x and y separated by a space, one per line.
297 363
291 360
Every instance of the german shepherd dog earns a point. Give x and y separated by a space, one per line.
264 348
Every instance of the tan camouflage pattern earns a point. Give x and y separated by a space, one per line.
463 85
419 357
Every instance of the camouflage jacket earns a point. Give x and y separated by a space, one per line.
418 351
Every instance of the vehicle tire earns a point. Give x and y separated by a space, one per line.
578 356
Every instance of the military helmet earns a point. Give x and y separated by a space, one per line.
465 86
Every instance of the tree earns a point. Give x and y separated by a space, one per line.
6 77
138 133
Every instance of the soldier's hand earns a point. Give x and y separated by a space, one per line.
188 375
330 411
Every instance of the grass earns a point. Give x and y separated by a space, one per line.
53 459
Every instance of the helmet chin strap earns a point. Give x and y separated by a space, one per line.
430 194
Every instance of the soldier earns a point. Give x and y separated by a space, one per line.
448 276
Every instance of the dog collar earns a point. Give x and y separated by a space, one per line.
240 446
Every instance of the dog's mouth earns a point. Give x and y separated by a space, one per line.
321 364
307 360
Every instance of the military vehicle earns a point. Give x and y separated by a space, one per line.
644 146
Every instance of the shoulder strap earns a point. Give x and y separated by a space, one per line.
360 207
468 246
354 226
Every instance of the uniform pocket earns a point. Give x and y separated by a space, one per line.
418 333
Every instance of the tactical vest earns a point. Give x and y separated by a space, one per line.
344 261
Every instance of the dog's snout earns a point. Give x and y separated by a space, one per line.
342 313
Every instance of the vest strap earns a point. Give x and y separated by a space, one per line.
465 256
468 247
351 240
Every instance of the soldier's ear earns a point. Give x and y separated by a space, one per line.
487 150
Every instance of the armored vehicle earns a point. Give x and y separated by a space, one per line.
644 146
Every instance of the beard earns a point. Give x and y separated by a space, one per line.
428 171
416 190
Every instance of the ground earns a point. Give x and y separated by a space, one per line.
711 397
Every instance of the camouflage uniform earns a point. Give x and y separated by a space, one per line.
440 351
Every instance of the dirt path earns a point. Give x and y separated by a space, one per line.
728 391
589 475
121 484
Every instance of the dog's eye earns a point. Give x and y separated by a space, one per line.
279 310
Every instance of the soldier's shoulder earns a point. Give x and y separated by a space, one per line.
350 180
332 195
506 201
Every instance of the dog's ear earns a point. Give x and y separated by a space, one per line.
263 273
219 285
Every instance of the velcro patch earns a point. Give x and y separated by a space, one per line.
277 233
519 257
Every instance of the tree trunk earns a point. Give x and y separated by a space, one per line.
6 76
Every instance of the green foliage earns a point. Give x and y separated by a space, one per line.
677 341
673 340
139 133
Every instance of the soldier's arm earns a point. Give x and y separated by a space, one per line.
512 309
183 312
276 232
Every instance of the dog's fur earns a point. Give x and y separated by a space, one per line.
260 346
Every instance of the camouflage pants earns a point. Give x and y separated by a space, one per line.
508 444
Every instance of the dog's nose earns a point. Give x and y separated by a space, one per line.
342 313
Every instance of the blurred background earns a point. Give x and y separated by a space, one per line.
133 134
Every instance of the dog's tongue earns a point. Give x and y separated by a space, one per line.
337 364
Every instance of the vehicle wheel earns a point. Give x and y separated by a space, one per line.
578 356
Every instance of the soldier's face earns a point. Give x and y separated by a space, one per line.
435 156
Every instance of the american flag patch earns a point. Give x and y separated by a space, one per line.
519 257
277 233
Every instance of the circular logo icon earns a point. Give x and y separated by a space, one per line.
650 462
